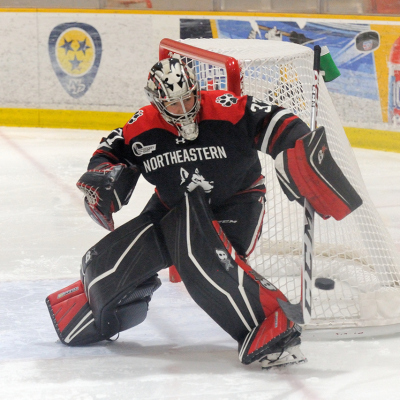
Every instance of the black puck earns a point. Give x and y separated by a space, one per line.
324 283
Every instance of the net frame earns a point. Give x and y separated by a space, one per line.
356 252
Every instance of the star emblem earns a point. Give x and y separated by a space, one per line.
83 46
75 63
67 46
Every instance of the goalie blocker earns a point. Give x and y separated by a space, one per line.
309 170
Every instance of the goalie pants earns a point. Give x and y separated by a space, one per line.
240 217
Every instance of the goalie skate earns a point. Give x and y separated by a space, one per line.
285 356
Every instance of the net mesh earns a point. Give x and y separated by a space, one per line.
91 193
356 252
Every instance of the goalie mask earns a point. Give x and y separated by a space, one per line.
172 88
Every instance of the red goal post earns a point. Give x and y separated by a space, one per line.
231 65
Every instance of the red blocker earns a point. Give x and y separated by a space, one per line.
309 170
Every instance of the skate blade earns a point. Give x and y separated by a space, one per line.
266 365
294 356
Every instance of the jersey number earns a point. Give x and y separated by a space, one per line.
255 106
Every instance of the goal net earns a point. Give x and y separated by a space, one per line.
357 252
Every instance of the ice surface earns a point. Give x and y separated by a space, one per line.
178 352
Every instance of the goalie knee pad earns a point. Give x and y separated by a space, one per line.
118 278
309 170
220 282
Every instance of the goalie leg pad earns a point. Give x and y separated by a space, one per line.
115 267
72 317
220 282
309 170
74 321
274 335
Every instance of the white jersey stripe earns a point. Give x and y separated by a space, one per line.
271 127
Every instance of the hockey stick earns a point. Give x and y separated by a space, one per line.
300 313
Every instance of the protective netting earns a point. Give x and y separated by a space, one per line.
356 252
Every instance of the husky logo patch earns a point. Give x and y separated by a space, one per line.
75 52
223 256
226 100
196 180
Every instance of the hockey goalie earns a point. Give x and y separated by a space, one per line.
199 150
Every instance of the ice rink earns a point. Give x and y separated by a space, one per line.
178 352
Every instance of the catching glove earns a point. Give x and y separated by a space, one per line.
107 188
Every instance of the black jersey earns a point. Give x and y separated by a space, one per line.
223 160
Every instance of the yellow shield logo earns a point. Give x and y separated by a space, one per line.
75 53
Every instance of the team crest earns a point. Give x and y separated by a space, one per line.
226 100
75 53
195 180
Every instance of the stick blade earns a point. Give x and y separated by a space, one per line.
293 311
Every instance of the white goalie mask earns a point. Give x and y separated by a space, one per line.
172 88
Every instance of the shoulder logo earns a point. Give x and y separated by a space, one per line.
226 100
136 116
139 149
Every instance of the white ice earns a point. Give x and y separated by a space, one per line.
178 352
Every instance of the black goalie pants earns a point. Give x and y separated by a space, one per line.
240 218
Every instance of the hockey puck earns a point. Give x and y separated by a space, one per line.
324 283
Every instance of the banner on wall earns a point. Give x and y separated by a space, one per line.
75 53
352 46
394 84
